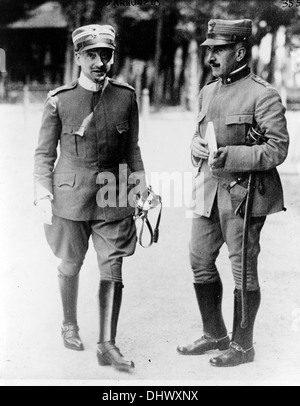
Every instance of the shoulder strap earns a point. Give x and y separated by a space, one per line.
64 88
261 81
120 84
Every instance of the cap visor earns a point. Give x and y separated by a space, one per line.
98 45
214 42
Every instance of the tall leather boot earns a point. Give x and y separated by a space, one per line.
209 297
69 293
241 349
110 300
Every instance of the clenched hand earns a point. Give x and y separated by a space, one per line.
219 158
199 148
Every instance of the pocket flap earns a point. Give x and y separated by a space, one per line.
62 179
239 119
200 117
123 127
73 130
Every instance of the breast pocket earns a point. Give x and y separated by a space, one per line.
73 141
237 127
64 179
120 141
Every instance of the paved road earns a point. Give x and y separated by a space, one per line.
159 308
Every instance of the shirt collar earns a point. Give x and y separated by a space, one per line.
88 84
237 74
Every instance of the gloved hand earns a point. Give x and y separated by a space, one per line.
44 210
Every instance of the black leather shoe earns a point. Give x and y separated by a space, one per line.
109 354
204 345
71 337
233 357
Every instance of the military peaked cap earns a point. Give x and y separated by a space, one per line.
94 36
225 32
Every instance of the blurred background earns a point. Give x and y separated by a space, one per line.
158 45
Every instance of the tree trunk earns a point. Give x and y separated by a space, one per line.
182 81
194 76
2 85
158 91
76 13
68 63
75 69
272 61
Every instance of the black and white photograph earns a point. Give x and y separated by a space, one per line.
150 195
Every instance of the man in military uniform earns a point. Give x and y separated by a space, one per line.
88 190
236 102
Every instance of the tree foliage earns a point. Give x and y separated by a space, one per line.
182 19
154 34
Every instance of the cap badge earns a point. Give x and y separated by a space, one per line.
211 26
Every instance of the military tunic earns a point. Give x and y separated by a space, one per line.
96 134
233 108
94 138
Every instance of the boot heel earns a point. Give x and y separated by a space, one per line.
71 338
102 361
224 344
111 356
250 356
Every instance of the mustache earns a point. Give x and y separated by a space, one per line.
103 69
213 64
